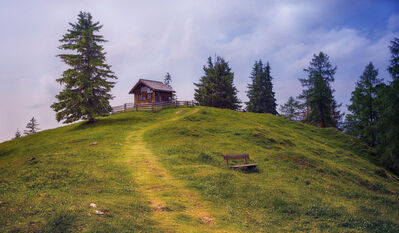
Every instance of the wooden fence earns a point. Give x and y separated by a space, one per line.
154 107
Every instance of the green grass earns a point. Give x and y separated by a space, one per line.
52 193
308 179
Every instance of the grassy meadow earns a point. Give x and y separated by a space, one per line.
164 172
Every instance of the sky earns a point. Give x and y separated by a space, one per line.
148 38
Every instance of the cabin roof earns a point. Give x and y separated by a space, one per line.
154 85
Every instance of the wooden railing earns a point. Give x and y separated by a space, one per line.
154 107
122 108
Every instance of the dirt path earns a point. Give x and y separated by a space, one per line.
175 208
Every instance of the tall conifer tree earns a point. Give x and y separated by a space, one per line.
260 91
216 87
388 124
362 121
318 94
86 83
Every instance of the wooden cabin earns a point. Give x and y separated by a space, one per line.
150 91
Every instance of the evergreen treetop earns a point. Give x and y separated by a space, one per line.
291 109
86 83
260 91
318 94
168 80
216 87
31 127
18 134
361 122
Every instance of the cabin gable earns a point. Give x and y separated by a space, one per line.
149 91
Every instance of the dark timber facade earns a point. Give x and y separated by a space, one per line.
149 91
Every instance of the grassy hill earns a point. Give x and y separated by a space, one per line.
164 172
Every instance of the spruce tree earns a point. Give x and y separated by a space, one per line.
292 109
388 124
168 80
86 83
260 91
318 94
32 127
18 134
216 88
362 120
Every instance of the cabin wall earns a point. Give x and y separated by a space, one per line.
137 100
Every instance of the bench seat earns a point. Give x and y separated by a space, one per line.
244 165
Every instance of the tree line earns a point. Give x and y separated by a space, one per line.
317 104
374 110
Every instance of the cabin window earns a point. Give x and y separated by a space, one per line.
144 89
148 96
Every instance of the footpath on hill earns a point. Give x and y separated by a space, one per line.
175 208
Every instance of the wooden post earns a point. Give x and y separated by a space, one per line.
124 107
137 107
152 107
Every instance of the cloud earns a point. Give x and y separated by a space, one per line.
393 22
149 38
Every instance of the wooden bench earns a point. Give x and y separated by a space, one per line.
239 156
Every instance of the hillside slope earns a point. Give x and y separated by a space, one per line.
157 172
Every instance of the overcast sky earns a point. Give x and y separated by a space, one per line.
149 38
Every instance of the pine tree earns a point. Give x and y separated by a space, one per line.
216 88
86 84
168 80
18 134
362 120
32 127
260 91
388 124
318 94
292 109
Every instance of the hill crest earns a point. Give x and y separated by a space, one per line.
309 179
